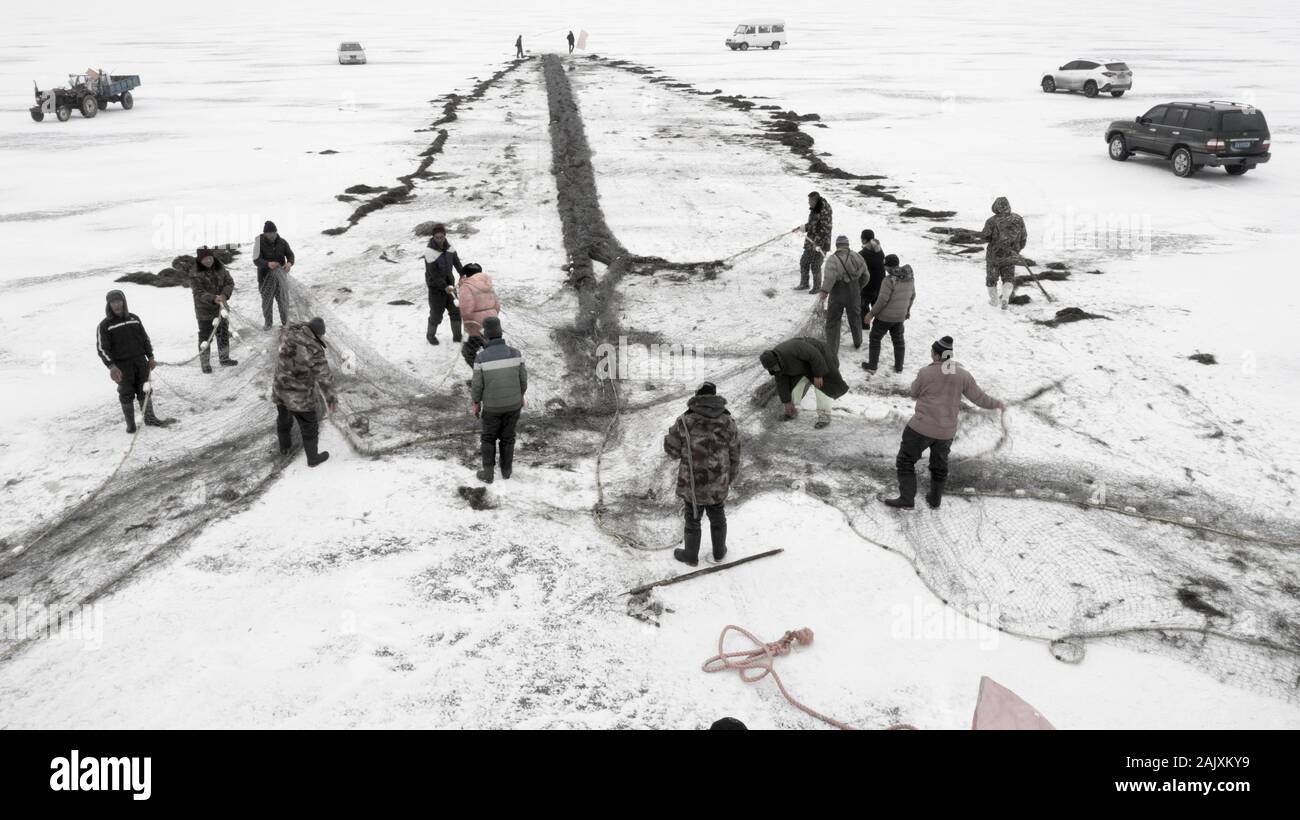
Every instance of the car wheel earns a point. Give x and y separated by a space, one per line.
1236 170
1183 165
776 45
1049 85
63 112
89 108
1090 89
128 102
1119 93
1119 148
744 46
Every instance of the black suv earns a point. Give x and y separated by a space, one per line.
1193 135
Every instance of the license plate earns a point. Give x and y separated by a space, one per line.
1241 145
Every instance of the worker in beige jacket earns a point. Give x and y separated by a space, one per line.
938 389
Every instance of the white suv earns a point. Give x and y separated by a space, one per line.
351 53
1092 77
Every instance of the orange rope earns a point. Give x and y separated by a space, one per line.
756 664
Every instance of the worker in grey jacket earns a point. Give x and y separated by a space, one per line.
938 389
892 307
497 389
842 280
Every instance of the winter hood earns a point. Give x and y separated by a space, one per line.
112 296
873 246
707 406
902 274
1001 206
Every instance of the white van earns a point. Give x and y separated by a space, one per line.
757 34
351 53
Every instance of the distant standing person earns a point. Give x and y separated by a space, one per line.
1005 233
274 260
124 348
892 308
841 293
706 444
497 389
441 264
519 47
798 364
816 243
212 286
938 389
300 368
570 39
874 256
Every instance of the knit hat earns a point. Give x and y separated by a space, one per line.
841 241
707 389
868 235
943 347
492 328
317 326
471 269
891 261
770 360
269 227
728 723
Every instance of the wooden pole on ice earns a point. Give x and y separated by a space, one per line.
706 571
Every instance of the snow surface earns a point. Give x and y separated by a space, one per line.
368 593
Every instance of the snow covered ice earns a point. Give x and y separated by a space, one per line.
1127 555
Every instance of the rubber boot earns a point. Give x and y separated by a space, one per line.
993 295
128 410
488 451
151 419
223 357
455 328
284 441
935 497
900 350
1007 287
205 360
906 493
314 457
507 458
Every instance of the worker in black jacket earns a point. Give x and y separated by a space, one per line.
441 264
125 349
802 363
274 260
874 256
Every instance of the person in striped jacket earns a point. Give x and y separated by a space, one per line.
497 390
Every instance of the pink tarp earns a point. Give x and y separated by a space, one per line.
997 707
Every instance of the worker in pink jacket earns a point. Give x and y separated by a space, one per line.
938 390
478 301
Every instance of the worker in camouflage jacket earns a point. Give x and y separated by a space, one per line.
212 285
706 444
1006 235
816 242
300 368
